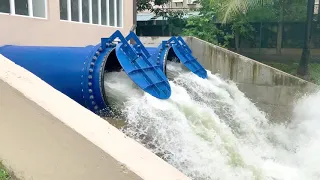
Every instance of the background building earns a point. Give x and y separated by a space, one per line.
183 4
63 22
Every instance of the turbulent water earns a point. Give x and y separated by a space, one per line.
209 130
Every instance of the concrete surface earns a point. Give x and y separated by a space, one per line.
44 135
23 30
288 55
273 91
153 41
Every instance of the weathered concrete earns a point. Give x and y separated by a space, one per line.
153 41
44 135
272 90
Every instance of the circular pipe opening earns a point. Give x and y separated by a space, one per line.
110 64
170 56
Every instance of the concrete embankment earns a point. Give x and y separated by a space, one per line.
46 135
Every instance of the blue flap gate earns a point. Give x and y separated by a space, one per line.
136 62
78 72
181 51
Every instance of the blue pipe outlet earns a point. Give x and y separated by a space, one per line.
176 49
161 56
78 72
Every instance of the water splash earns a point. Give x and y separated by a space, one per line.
119 88
208 129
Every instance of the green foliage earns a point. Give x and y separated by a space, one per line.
175 19
4 175
291 68
203 28
242 26
147 4
143 5
296 11
265 13
230 9
176 22
263 10
240 15
204 25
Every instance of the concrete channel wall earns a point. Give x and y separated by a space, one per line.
45 135
273 91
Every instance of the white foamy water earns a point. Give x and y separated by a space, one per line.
209 130
119 88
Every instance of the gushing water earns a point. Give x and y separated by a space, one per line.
119 89
209 130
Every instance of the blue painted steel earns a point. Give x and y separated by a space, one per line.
64 68
182 51
184 54
78 72
159 55
143 67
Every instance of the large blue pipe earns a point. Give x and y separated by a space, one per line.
79 72
161 55
64 68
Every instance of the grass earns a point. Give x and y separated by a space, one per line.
3 174
291 68
6 175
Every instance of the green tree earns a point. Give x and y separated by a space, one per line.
148 4
204 28
230 9
176 22
234 8
204 25
303 69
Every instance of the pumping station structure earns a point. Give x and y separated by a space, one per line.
153 124
78 72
